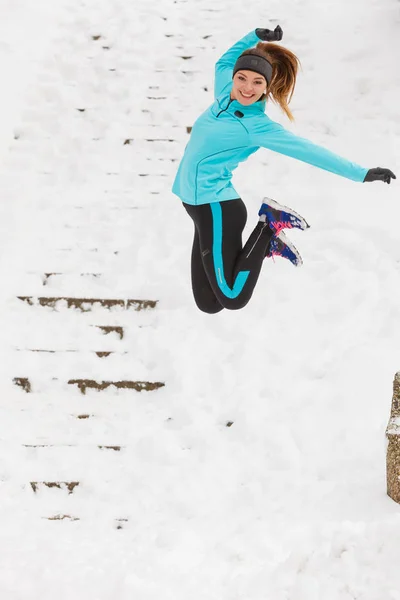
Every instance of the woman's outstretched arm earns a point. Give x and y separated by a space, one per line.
224 66
273 136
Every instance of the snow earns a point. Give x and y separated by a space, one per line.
258 470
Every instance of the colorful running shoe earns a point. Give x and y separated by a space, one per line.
280 245
281 217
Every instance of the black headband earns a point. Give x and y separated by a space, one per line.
252 62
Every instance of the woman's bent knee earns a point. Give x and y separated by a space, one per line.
235 304
210 308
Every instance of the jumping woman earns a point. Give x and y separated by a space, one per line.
224 273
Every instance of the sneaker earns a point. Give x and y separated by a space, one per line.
280 217
280 245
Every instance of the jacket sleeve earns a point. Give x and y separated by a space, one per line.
273 136
224 66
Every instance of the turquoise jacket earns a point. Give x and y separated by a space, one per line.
221 139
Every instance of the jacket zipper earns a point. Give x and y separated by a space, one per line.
224 109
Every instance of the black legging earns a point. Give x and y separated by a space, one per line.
223 272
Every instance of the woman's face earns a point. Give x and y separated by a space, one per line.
248 87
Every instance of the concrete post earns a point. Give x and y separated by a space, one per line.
393 449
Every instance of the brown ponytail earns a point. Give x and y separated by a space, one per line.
285 65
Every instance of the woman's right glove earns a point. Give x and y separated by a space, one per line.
266 35
379 174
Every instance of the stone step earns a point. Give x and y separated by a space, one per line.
138 386
27 385
113 448
118 523
61 517
99 353
68 486
86 304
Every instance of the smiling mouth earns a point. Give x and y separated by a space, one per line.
251 95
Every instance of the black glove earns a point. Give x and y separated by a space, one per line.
379 174
266 35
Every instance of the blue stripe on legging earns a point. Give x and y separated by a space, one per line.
242 276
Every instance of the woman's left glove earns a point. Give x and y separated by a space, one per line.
379 174
266 35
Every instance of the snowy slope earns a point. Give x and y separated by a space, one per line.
256 467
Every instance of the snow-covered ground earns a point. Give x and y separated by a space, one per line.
257 470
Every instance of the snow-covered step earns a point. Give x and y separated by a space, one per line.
129 154
93 365
49 164
119 359
65 462
39 425
97 214
138 133
97 210
81 336
74 230
92 258
33 425
95 464
67 500
97 330
87 285
109 418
